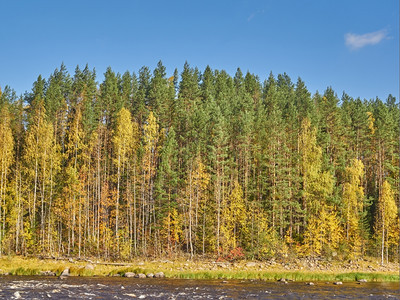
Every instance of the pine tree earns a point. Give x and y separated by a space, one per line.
140 102
218 159
166 188
111 101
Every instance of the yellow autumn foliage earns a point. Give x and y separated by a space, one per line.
387 222
234 218
353 195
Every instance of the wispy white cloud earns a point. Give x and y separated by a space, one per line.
251 17
357 41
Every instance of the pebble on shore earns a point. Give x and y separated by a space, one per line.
159 275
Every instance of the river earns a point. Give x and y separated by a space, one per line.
26 287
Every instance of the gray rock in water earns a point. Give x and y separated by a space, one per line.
310 283
150 275
17 295
159 275
130 295
129 274
282 280
140 275
362 280
338 283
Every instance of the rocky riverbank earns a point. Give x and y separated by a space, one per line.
303 269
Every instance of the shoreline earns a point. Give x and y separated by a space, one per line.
298 270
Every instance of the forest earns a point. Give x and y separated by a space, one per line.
196 164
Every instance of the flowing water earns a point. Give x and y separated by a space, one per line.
17 287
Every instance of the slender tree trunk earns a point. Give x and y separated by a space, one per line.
33 217
2 216
135 238
42 214
98 200
218 200
383 236
204 234
49 237
190 213
117 201
398 202
19 213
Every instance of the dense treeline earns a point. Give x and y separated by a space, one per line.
199 164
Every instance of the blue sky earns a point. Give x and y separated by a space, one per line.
351 45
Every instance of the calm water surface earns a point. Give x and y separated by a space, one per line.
14 287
